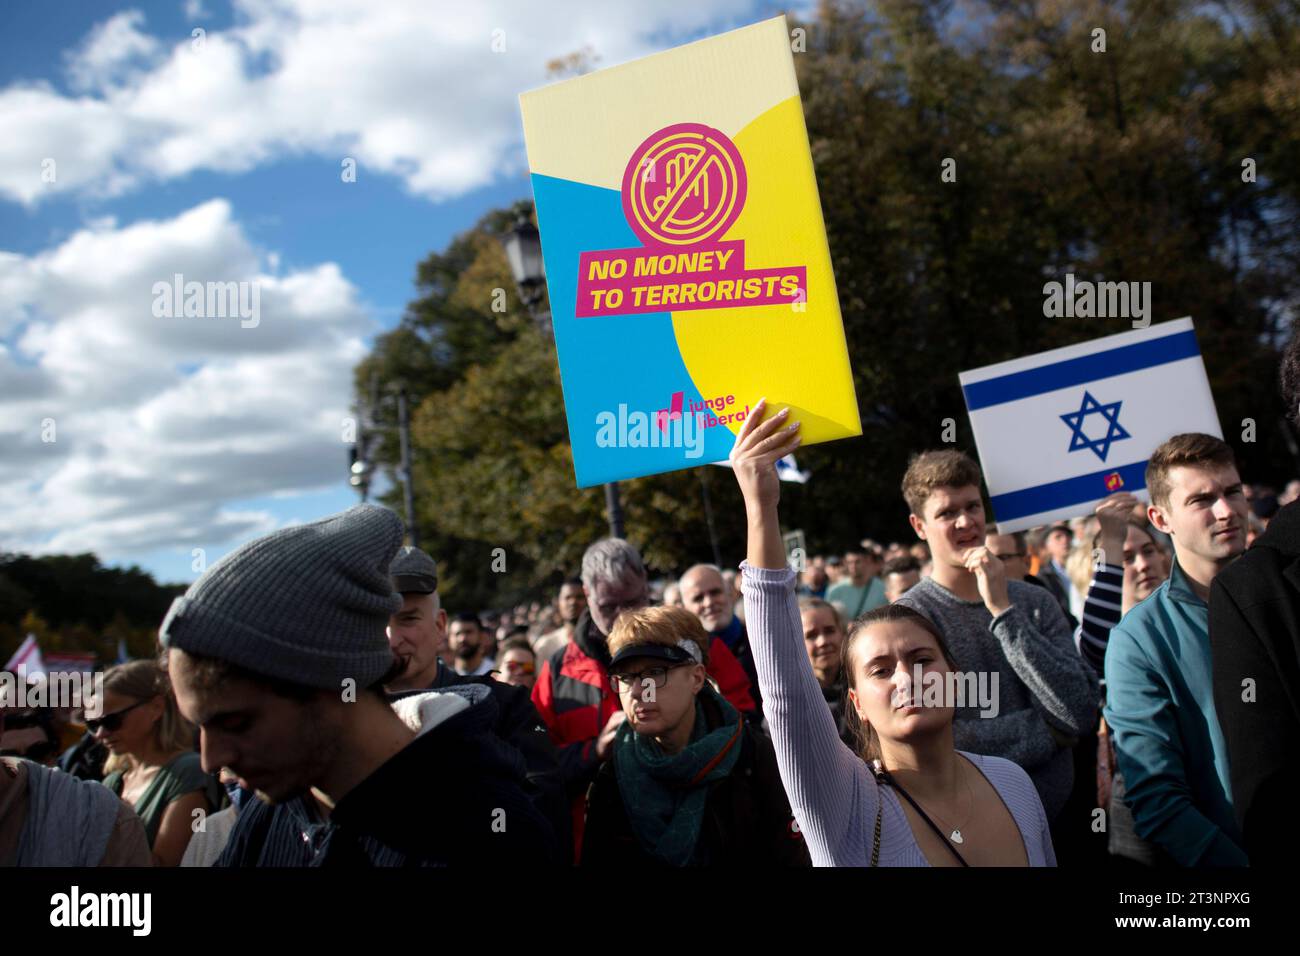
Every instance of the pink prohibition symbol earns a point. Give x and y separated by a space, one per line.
684 185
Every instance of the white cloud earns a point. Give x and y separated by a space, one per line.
411 89
115 52
145 455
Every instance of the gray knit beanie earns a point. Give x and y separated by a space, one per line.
307 604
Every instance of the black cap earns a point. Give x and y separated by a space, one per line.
663 652
413 572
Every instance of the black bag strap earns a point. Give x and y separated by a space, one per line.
882 776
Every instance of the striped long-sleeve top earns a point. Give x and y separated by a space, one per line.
1102 610
833 794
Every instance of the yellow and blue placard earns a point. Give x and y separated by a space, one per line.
686 255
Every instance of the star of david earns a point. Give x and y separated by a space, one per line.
1114 430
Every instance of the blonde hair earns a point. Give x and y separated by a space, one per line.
141 681
1078 565
665 625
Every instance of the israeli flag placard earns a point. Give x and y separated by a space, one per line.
1059 431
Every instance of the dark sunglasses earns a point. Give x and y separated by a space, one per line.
113 721
627 680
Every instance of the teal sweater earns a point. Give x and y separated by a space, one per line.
1160 708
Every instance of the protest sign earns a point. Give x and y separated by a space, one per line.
685 255
1059 431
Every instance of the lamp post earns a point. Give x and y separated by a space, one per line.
363 466
408 491
523 246
360 471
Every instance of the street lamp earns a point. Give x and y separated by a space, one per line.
524 252
523 245
360 472
362 453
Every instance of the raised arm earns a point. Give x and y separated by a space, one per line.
823 778
1101 612
1104 605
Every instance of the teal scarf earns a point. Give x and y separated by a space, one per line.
664 794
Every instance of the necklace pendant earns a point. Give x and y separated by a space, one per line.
955 836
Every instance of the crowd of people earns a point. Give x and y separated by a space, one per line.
1120 689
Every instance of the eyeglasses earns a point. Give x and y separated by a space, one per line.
617 608
658 675
519 667
113 721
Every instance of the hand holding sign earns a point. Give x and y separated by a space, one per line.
759 446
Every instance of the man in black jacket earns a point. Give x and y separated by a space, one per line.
381 822
1255 646
278 654
418 635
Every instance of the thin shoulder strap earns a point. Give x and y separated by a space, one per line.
883 776
875 839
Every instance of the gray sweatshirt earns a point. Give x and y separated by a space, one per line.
1042 680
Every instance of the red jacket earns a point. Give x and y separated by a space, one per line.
574 697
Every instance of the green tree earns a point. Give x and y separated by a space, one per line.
493 471
1123 165
69 601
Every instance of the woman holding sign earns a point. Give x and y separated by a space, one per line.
910 798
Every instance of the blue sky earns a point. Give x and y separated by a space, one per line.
143 438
